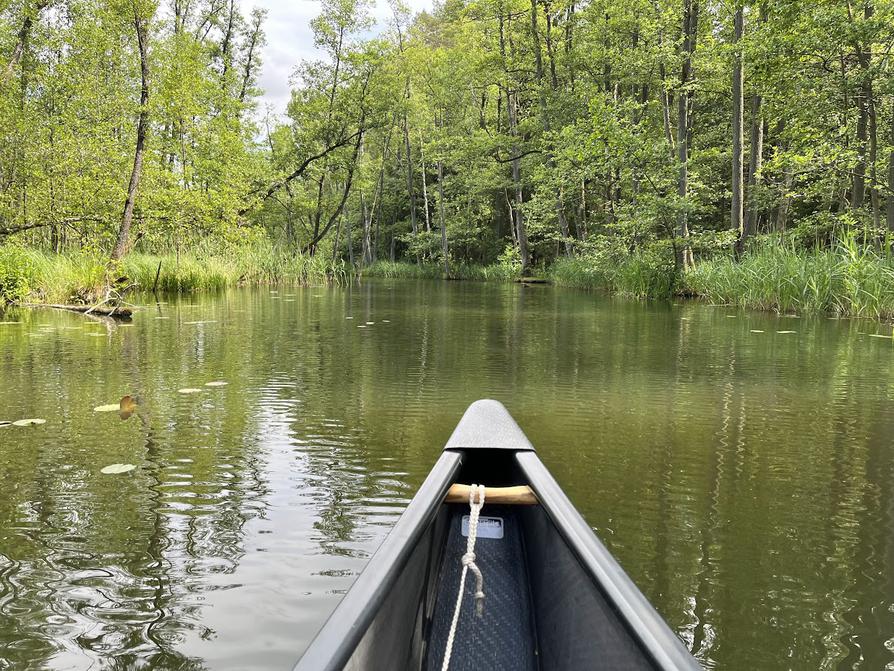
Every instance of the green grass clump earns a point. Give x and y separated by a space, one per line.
646 274
844 281
434 271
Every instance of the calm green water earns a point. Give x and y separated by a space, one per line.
744 480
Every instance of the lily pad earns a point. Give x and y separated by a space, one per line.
115 469
189 390
28 422
216 383
109 407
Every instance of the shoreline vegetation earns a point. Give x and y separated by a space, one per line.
742 153
845 281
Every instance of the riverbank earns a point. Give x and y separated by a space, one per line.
843 282
36 276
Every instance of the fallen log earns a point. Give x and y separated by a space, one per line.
115 311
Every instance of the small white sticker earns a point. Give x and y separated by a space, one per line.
488 527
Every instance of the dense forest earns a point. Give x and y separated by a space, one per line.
510 132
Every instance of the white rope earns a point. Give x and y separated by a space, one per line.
468 562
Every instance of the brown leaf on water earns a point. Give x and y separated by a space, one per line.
127 406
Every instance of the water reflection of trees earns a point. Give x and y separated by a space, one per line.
107 569
741 478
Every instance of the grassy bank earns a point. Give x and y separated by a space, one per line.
845 281
32 275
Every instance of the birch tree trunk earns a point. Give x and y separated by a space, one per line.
737 218
123 237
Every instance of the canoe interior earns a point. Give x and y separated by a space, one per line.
542 609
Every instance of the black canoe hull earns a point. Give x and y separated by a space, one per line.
556 598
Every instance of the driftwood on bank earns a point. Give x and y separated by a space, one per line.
117 311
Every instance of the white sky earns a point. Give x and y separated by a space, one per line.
290 39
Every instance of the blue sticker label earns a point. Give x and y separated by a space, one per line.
488 527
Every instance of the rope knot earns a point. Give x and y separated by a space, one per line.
468 562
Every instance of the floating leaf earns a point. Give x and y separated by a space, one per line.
28 422
127 406
216 383
115 469
110 407
786 331
189 390
756 331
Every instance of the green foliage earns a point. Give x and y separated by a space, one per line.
16 275
647 273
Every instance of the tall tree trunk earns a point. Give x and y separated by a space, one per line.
424 184
545 121
122 240
411 192
873 160
684 120
366 251
521 237
737 218
250 61
755 162
30 14
858 189
442 217
890 198
865 110
520 233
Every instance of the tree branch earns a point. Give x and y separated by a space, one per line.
273 188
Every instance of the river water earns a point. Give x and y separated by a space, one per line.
739 465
